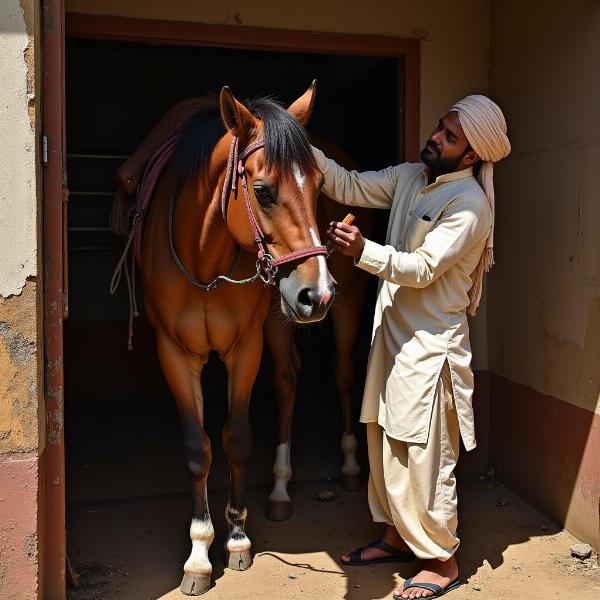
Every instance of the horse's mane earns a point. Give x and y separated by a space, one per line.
286 141
195 146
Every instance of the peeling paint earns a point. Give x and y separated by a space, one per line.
572 370
19 371
31 545
55 424
18 181
55 366
20 348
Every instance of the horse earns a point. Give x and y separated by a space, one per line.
345 321
242 183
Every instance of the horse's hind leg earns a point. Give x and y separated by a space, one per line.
183 375
286 364
345 320
242 366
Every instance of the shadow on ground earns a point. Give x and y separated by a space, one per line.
135 550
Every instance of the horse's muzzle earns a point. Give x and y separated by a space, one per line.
308 305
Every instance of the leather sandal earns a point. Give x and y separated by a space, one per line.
437 590
395 555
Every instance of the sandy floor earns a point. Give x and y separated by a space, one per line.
135 551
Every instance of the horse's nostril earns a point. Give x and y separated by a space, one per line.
305 297
311 298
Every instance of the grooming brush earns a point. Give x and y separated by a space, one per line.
348 220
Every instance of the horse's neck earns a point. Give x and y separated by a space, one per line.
202 238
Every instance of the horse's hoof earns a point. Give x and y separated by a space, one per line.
194 585
279 510
351 483
239 560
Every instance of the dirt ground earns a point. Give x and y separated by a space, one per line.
135 550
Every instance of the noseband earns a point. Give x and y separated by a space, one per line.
266 265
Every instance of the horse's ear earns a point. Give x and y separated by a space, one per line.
237 118
301 108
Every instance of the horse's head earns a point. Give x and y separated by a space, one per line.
283 184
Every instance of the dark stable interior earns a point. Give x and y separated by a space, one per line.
122 429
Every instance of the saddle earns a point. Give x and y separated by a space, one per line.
130 173
136 179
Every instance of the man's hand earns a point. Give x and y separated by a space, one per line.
346 238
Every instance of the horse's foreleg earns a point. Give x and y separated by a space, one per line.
345 320
286 364
183 375
242 367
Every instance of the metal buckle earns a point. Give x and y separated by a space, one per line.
266 270
137 217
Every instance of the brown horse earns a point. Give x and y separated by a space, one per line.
345 320
271 211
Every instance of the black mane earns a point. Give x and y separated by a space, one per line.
286 141
195 146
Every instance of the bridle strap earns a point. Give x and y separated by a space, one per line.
235 169
266 265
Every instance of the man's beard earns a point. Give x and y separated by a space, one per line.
430 156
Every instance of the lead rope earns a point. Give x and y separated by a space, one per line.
121 267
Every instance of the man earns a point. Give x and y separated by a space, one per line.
417 400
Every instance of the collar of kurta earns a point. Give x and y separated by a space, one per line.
447 177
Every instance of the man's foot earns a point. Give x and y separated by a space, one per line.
438 572
391 537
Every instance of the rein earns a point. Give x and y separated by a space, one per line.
266 265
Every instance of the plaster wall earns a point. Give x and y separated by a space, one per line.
18 230
20 358
544 323
454 47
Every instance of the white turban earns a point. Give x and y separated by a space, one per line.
485 128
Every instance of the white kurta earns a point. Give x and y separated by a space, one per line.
435 237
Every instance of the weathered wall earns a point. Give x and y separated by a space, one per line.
17 168
544 294
20 355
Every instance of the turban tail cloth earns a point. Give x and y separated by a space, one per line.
485 129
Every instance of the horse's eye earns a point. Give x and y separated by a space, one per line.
263 195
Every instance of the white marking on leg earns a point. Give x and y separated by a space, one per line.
323 289
300 179
282 471
237 540
202 534
349 445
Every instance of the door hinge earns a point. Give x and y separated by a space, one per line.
44 149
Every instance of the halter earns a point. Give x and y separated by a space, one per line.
266 265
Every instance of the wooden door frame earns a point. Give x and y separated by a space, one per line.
52 474
154 31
